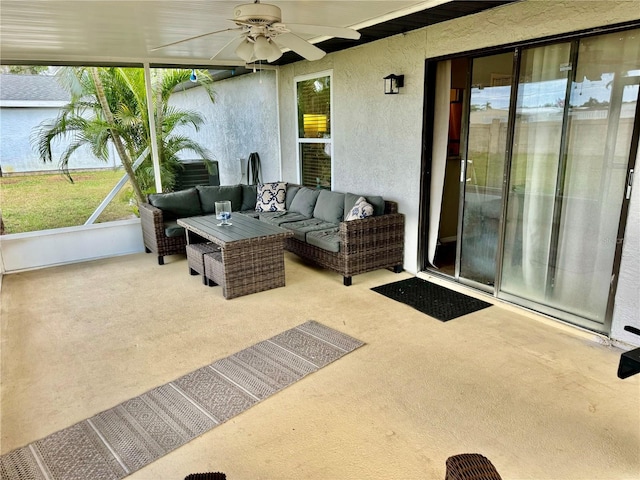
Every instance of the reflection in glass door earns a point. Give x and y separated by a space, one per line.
484 167
568 172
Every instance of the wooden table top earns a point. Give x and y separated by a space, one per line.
243 227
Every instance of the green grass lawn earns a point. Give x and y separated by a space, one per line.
40 202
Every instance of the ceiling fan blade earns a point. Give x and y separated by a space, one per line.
229 49
193 38
300 46
339 32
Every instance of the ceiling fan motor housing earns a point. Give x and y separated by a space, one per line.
257 13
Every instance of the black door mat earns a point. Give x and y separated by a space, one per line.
431 299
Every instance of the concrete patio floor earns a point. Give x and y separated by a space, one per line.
538 398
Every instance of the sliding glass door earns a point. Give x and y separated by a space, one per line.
536 168
484 167
569 168
550 138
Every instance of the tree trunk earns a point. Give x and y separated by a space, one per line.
117 141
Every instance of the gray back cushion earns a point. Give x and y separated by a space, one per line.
184 203
291 192
305 201
209 195
376 202
330 206
249 194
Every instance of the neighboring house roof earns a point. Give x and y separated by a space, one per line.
31 91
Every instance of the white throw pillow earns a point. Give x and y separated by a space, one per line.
361 209
270 197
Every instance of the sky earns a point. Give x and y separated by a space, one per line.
551 92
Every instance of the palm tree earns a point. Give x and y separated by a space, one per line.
109 107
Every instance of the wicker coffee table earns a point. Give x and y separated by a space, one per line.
251 256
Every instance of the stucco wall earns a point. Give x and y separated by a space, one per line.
524 20
377 138
61 246
16 152
242 119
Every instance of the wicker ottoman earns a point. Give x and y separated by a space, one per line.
213 269
195 254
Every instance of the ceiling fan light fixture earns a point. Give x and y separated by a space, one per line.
262 48
275 54
245 50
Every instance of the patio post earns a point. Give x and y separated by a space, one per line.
152 128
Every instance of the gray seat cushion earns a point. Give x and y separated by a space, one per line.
302 227
280 218
184 203
210 194
330 206
172 229
326 239
249 213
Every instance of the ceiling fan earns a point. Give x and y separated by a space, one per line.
262 35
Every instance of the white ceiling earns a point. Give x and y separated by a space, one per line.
125 31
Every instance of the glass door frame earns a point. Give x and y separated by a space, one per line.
426 168
464 155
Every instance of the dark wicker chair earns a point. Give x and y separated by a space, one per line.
154 236
470 466
366 245
206 476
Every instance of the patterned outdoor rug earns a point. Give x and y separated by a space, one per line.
432 299
119 441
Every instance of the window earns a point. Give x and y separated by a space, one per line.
313 95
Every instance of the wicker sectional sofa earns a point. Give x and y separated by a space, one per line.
317 218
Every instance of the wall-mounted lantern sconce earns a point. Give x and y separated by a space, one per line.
392 84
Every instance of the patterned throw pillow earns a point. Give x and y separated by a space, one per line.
271 196
361 209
